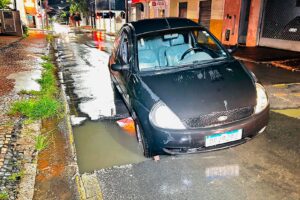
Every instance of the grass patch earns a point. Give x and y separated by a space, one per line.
44 103
48 65
16 176
46 58
4 195
41 142
49 37
29 92
39 108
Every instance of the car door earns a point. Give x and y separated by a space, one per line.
123 56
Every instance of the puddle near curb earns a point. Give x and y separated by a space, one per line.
104 144
99 141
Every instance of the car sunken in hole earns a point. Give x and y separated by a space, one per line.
183 89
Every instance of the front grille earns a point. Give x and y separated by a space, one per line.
212 118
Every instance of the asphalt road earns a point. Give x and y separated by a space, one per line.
267 167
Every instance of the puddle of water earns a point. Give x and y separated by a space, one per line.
26 80
104 144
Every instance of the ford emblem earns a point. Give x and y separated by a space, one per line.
222 118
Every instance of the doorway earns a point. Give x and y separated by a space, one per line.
244 20
183 9
205 13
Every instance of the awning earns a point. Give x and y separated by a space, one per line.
137 1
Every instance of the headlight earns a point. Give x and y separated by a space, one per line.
161 116
261 98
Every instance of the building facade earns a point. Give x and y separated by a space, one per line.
31 12
143 9
271 23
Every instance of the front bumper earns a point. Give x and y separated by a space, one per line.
193 140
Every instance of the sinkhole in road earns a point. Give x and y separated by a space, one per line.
99 141
103 144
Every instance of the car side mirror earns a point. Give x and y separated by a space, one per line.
119 67
232 49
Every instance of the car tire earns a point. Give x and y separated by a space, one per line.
147 150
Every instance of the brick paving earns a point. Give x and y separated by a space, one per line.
16 56
8 40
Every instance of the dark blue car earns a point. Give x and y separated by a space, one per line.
184 90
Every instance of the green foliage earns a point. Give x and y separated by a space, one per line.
49 37
25 30
40 108
16 176
4 195
46 58
44 104
30 92
41 142
78 6
48 80
4 4
48 65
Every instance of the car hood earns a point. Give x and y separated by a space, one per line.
196 92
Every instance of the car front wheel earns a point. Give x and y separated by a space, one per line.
147 150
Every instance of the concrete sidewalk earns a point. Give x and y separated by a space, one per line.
289 60
5 40
19 67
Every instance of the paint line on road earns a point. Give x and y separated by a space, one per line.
285 85
295 113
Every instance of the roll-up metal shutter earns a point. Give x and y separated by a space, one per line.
205 13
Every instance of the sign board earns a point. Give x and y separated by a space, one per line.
158 4
9 22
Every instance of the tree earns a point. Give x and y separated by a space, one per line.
79 6
4 4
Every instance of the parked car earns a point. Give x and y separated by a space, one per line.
184 90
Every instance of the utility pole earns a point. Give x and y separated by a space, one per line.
15 4
126 11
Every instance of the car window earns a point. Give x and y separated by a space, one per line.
177 49
123 50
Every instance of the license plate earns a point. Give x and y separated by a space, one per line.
222 138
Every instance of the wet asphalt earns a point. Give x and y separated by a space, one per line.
267 167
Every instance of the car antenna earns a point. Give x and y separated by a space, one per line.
168 23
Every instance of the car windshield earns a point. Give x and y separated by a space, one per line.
162 51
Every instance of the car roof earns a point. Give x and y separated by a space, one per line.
146 26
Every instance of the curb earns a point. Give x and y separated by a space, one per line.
81 180
79 184
280 65
273 63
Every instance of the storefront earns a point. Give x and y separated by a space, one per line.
31 12
280 27
144 9
110 15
